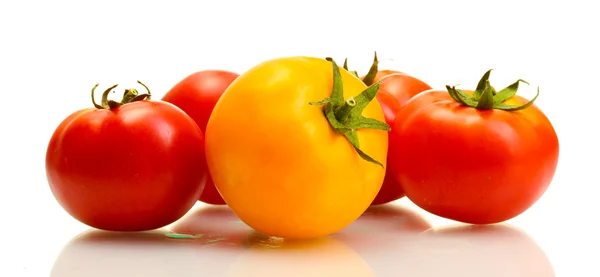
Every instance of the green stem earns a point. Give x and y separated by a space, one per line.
343 113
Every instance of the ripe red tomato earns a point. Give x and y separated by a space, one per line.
197 95
478 157
396 88
132 165
394 92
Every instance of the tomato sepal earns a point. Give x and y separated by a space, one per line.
370 77
130 95
485 96
345 116
353 72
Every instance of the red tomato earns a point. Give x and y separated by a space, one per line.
394 92
197 95
421 99
129 166
478 157
396 88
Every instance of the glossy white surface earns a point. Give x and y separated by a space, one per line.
387 241
53 52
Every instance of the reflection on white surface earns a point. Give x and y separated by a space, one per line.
397 242
385 241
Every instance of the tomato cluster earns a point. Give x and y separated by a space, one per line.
298 147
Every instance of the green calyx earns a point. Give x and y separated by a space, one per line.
485 96
130 95
370 77
353 72
345 116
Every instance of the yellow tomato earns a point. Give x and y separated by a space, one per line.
277 161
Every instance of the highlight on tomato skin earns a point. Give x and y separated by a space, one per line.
129 165
197 94
479 157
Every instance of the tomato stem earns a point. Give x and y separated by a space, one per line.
343 113
130 95
485 96
345 117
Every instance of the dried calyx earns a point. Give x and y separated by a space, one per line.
130 95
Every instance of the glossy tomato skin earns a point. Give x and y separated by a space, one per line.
469 165
275 158
137 167
402 87
197 95
395 90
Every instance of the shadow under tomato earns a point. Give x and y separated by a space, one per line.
383 224
398 241
103 253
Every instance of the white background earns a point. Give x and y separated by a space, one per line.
53 52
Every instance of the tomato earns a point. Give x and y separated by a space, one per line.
480 157
197 95
290 157
396 88
127 166
420 100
